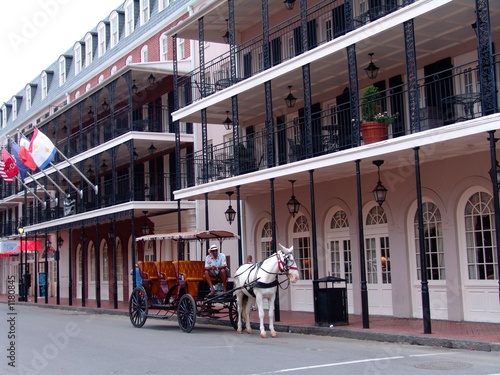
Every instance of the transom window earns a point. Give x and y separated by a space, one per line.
482 262
433 240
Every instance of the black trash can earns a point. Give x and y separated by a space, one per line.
41 284
330 301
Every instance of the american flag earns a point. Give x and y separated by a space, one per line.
3 174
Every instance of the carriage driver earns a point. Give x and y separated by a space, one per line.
215 266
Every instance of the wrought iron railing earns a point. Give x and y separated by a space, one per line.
444 98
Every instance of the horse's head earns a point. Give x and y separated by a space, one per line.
288 264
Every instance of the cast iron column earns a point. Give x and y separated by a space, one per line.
496 200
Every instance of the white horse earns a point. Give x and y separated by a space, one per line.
256 282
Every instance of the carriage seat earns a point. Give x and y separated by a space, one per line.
193 272
167 271
149 274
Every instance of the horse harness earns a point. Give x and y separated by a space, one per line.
283 267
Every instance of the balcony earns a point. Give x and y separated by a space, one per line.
284 42
445 98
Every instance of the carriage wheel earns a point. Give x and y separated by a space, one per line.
138 307
186 313
233 314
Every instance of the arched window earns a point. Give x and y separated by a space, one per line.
433 240
105 263
119 260
302 247
482 263
266 238
92 264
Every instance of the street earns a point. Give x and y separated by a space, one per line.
56 342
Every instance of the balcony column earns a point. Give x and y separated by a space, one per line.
362 258
306 84
353 131
236 132
130 145
97 259
112 153
411 73
486 64
274 247
349 15
232 41
175 68
238 218
46 266
303 25
269 125
112 96
128 79
201 53
70 267
115 283
313 226
80 106
426 308
83 260
95 105
265 34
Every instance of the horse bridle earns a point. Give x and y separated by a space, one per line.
285 264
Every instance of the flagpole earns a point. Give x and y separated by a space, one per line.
57 186
80 192
95 187
43 188
31 191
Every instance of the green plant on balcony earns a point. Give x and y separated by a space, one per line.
371 103
375 122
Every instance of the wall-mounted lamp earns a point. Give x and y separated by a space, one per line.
226 35
90 112
227 122
474 27
65 129
136 155
230 213
145 227
105 105
290 99
151 79
293 204
289 4
372 69
379 192
104 166
497 172
60 241
111 233
134 87
90 172
152 149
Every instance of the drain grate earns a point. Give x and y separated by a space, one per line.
443 365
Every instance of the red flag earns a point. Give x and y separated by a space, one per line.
24 153
3 174
10 167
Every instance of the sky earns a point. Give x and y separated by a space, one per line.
34 33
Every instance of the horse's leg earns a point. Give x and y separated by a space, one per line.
271 315
247 310
239 303
260 305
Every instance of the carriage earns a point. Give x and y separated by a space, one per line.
178 287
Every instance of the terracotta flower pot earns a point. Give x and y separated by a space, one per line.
373 131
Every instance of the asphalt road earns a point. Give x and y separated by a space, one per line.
57 342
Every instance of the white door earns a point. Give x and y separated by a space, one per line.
79 272
104 259
378 262
341 264
91 272
119 268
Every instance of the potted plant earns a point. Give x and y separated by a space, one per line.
375 122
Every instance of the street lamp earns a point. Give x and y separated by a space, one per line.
230 212
379 192
293 204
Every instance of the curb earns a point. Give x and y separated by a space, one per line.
450 343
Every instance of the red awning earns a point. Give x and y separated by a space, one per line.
30 245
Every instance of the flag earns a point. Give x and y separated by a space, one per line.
23 169
10 167
3 174
24 153
42 149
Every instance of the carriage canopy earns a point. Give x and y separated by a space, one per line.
189 236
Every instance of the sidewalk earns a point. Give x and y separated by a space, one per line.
449 334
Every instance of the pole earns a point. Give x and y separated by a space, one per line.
426 309
496 199
364 288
